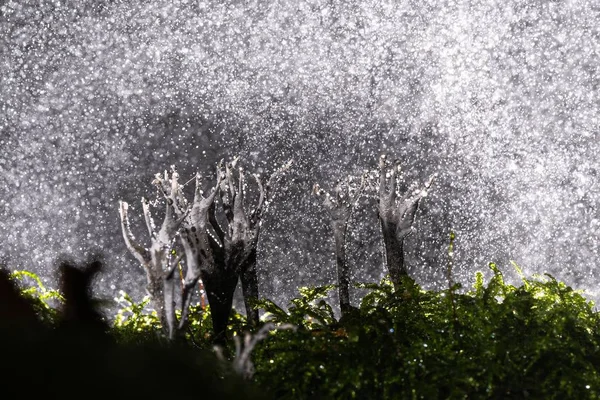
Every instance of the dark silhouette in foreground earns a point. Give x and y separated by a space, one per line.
78 357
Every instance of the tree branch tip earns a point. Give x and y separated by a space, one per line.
287 164
432 179
316 189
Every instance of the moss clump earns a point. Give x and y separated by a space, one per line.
539 340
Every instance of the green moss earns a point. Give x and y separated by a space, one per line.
44 300
538 340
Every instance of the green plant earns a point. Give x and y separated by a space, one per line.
137 322
134 321
540 340
537 340
309 310
44 300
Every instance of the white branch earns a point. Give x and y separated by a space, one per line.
242 363
138 251
148 217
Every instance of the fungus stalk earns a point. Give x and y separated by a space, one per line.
156 260
396 216
340 206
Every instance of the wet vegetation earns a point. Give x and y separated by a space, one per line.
57 345
540 339
537 340
498 98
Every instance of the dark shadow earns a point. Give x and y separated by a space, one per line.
77 355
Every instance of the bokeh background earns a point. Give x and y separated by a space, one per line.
500 99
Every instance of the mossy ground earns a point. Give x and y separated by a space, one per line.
539 340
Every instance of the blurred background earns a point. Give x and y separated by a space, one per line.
500 99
